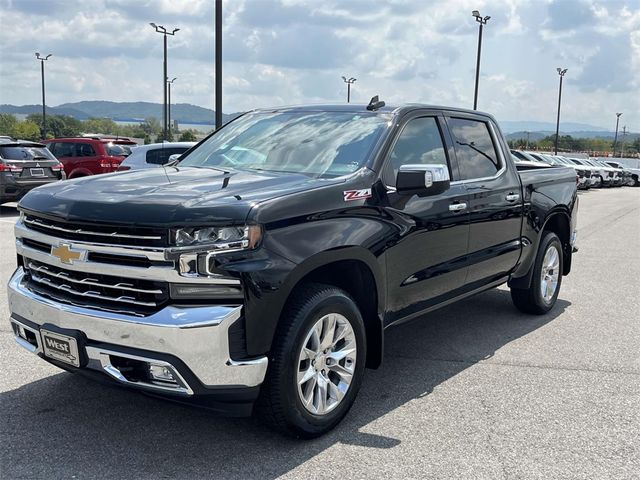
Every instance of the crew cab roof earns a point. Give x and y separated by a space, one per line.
362 108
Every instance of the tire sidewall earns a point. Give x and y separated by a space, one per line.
549 239
298 415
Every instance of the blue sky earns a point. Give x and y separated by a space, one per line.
295 51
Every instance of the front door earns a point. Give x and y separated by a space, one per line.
425 261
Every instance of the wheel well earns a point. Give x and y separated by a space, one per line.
559 224
355 278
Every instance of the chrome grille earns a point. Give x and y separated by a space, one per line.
96 290
108 234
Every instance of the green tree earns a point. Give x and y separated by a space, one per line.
187 136
105 126
8 123
58 125
26 130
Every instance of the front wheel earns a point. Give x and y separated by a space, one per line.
316 364
541 296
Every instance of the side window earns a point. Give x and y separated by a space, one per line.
161 156
63 149
84 150
420 142
476 153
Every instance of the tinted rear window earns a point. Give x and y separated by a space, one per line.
26 153
118 150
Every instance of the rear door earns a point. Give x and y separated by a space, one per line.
87 160
65 153
495 199
426 261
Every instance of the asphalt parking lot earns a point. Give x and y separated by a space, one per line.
475 390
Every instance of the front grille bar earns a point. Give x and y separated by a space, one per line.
79 231
90 294
91 281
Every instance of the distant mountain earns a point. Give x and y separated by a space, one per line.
508 126
125 111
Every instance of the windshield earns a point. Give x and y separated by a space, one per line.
311 143
26 153
118 150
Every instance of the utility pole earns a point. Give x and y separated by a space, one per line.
561 72
482 21
349 81
218 61
169 83
44 112
164 32
624 134
615 139
528 133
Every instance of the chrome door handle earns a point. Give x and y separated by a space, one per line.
512 197
456 207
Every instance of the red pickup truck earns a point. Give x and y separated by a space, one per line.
85 156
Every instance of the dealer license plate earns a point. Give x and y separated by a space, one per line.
60 347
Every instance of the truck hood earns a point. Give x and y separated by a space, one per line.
165 196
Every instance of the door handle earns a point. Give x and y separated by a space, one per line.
512 197
456 207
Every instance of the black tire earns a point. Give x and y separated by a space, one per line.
279 404
531 300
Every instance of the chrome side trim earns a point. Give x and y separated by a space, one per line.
40 223
90 281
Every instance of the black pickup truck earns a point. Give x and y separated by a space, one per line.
262 268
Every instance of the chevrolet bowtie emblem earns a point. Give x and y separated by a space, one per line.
66 254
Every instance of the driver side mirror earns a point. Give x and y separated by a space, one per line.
422 179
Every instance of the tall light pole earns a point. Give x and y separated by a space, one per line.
624 135
218 61
349 82
44 113
482 21
561 72
615 139
164 32
169 83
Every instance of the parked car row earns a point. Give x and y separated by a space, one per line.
25 165
590 172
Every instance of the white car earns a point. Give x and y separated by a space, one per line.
153 155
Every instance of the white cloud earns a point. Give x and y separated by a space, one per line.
295 51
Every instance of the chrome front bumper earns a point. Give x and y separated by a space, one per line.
198 336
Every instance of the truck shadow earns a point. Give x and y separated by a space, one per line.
65 425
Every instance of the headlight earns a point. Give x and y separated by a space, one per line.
219 238
196 248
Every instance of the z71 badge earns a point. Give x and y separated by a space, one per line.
357 194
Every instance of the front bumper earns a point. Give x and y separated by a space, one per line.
192 342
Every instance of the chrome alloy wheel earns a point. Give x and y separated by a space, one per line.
550 273
326 364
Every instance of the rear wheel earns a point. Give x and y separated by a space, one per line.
541 296
316 364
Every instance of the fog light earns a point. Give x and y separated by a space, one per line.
161 373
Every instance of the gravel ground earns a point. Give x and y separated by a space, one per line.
475 390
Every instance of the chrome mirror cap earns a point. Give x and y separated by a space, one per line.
427 179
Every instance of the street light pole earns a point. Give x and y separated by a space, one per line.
44 113
164 32
561 72
482 21
169 83
218 62
615 139
349 82
624 135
